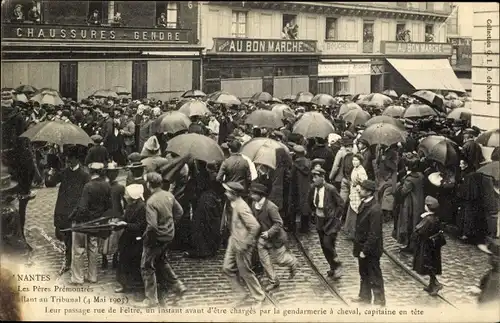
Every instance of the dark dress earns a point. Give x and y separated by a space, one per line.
13 241
410 193
427 259
128 272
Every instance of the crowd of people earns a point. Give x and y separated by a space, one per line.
340 184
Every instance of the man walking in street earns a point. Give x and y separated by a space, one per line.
162 211
244 231
368 246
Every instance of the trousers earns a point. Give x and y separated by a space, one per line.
239 262
280 256
327 242
371 280
83 244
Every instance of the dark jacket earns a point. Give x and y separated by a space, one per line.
95 200
367 163
106 128
270 220
368 234
472 153
299 187
117 197
235 169
97 154
410 199
333 207
281 178
323 152
427 258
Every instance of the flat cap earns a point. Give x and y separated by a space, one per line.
96 138
431 202
299 149
234 187
318 161
368 185
318 171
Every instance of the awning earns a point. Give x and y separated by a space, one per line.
466 83
428 74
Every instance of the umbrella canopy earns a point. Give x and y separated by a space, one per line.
304 97
289 97
193 94
58 132
356 117
460 114
451 96
394 111
49 90
323 99
171 122
264 119
47 98
430 98
26 89
21 97
211 95
383 134
275 100
180 103
225 98
194 108
263 151
346 107
490 138
283 111
440 149
120 90
105 94
358 97
419 111
342 93
391 93
198 146
313 124
491 169
376 100
261 97
385 119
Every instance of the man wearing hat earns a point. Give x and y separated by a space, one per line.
471 150
271 243
97 153
136 173
236 168
243 234
151 154
368 246
327 207
94 202
300 178
73 180
128 131
322 151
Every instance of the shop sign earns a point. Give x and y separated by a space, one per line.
462 48
340 47
94 34
343 69
403 48
238 45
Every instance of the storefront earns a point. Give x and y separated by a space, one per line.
419 66
80 59
461 61
246 66
342 74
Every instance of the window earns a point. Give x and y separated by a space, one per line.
402 34
429 6
239 24
331 28
341 84
167 15
290 28
429 33
97 13
368 37
24 11
326 86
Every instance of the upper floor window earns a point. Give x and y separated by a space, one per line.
25 11
239 24
402 4
429 6
97 13
331 28
167 15
429 33
413 5
402 34
290 28
368 37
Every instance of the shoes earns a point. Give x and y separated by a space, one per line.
120 290
334 274
272 286
146 304
360 300
73 283
293 271
484 248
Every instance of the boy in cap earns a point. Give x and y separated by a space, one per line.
271 243
244 231
368 246
97 153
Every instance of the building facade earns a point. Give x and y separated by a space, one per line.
78 47
324 47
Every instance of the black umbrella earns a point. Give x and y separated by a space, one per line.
440 149
430 98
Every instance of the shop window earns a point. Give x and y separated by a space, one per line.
368 37
402 34
331 28
326 86
212 74
226 73
167 14
341 84
24 11
429 33
97 13
290 29
239 24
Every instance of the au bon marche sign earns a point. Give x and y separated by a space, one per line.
404 48
237 45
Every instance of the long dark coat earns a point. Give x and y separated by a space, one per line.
426 258
128 272
368 235
281 178
300 185
410 194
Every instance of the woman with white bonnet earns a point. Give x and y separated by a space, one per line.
128 273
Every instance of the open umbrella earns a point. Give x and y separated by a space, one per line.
120 90
375 100
214 94
49 90
430 98
193 94
225 98
383 134
261 97
21 97
263 151
198 146
460 114
26 89
342 93
275 100
419 111
171 122
346 107
323 99
394 111
490 138
491 169
440 149
58 132
356 117
385 119
313 124
105 94
289 97
391 93
283 111
194 108
304 97
264 119
47 98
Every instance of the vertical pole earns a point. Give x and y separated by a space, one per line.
111 11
